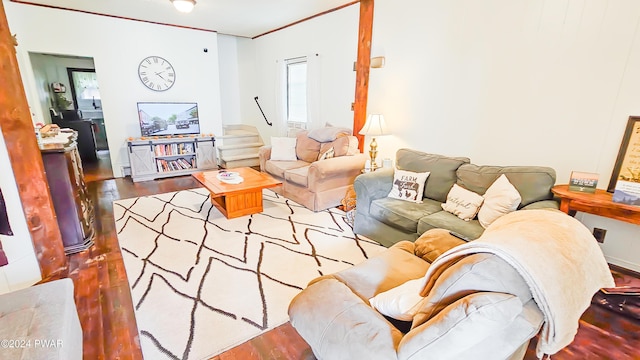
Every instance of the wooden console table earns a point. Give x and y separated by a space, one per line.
599 203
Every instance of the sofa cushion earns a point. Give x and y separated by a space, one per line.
42 312
462 203
298 176
473 273
328 133
534 183
343 145
442 169
445 220
462 326
277 168
400 214
307 149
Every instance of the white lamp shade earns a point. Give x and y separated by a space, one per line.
375 126
184 5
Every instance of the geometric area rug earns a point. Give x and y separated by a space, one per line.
202 283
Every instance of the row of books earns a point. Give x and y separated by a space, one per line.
174 165
174 149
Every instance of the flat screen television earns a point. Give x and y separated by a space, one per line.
168 118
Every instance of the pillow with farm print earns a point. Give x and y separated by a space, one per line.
408 185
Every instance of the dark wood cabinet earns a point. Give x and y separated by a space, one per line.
71 201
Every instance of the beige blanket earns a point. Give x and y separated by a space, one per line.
556 255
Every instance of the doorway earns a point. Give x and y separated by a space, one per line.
69 93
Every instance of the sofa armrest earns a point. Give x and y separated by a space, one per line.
371 186
542 204
337 324
264 153
342 170
384 271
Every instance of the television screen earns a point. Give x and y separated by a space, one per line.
165 118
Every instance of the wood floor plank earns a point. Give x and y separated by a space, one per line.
106 311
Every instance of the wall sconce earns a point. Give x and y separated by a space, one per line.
184 6
377 62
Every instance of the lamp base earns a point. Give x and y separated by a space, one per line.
373 152
374 165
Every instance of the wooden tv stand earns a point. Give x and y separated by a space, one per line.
599 203
155 157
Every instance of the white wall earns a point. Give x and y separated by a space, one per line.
333 36
117 47
229 79
513 82
23 269
48 69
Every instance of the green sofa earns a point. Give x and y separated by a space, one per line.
388 220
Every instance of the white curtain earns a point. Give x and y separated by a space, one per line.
314 118
280 121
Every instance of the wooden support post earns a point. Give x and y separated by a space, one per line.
26 160
362 69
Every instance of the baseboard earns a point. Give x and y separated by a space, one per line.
626 265
625 271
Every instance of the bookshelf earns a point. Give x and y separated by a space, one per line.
159 157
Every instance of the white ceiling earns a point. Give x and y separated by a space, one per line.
248 18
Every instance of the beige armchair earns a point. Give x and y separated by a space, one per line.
316 184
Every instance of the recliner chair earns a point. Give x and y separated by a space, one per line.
485 311
532 271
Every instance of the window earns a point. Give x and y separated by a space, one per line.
85 92
297 92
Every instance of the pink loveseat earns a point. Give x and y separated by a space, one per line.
316 184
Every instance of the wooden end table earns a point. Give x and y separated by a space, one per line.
235 200
599 203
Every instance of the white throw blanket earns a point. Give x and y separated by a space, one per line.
558 258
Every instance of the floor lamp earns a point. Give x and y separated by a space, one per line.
374 126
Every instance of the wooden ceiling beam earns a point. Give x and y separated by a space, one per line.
26 160
362 69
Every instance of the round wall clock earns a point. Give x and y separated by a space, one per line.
156 73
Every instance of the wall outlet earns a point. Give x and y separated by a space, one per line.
599 234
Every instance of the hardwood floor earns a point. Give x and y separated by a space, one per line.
99 169
108 322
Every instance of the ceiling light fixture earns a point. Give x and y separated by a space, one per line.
184 6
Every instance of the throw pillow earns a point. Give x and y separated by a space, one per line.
307 149
328 133
283 149
435 242
408 185
326 155
342 145
500 199
462 202
398 302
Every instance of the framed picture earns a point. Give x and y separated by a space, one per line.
583 182
627 167
58 87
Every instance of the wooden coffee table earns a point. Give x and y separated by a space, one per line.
235 200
